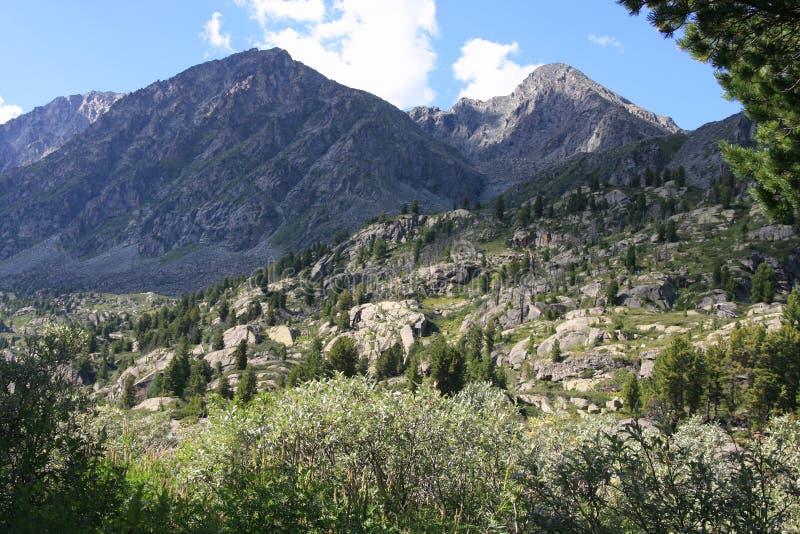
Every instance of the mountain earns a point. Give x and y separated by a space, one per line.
213 172
36 134
697 152
555 113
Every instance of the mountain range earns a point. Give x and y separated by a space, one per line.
236 161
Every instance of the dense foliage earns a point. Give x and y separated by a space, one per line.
347 455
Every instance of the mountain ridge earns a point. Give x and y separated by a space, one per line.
235 153
555 113
32 136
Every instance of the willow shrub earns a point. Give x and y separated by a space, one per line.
595 476
345 454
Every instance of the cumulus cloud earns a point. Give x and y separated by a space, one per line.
301 10
212 32
605 41
487 70
8 111
383 47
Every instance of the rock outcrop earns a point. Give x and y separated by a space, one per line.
376 327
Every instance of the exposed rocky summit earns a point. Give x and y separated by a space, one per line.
220 165
557 112
44 130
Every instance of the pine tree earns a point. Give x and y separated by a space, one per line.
500 208
415 207
680 177
555 351
156 387
198 378
791 313
524 215
224 388
671 231
447 366
413 374
176 374
246 388
343 356
389 363
538 207
661 232
223 310
630 258
632 394
762 288
128 396
240 355
679 375
311 368
611 293
218 342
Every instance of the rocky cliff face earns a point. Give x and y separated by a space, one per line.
32 136
249 153
556 113
698 152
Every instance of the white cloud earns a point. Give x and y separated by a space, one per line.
298 10
605 40
383 47
8 111
212 33
486 69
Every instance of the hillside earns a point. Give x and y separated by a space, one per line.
415 278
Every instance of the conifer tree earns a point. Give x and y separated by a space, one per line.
241 355
500 208
448 369
343 356
177 373
632 394
128 397
224 388
246 388
630 258
762 289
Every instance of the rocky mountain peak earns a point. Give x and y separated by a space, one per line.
32 136
555 113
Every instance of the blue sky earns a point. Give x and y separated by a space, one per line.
410 52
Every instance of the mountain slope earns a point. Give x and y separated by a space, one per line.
36 134
698 152
555 113
237 156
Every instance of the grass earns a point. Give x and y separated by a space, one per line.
432 303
